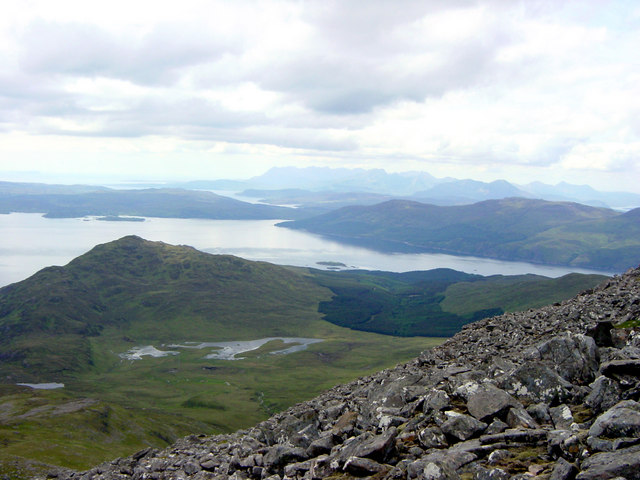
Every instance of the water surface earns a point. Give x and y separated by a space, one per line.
30 242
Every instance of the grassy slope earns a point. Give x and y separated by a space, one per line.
436 302
514 293
147 291
510 229
70 323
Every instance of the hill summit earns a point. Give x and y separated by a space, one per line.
146 291
550 393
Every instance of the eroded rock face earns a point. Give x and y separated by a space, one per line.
550 393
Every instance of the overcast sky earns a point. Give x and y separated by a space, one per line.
133 90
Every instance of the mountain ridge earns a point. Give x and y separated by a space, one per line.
537 231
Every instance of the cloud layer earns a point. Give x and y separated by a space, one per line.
493 88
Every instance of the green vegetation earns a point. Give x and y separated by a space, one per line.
555 233
515 293
436 302
70 324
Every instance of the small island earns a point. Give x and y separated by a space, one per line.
118 218
331 264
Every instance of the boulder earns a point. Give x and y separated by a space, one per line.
279 455
436 401
622 420
367 445
431 470
562 417
609 465
540 413
574 357
481 473
534 383
487 401
363 467
605 393
520 418
462 427
432 437
563 470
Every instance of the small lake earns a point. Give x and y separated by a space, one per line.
30 242
223 350
42 386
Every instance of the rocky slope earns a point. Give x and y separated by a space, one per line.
550 393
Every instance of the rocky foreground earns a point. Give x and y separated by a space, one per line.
550 393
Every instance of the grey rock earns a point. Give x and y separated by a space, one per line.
574 357
191 468
462 427
321 445
490 474
280 455
622 420
498 456
563 443
515 436
345 425
497 426
605 393
520 418
487 401
540 413
621 367
436 400
534 383
431 470
362 467
298 468
375 447
562 417
604 466
563 470
432 437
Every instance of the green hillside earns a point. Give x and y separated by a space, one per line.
436 303
556 233
79 324
73 324
146 291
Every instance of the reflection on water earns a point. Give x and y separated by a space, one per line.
229 350
30 242
223 350
137 353
42 386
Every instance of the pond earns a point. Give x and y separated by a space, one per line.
224 350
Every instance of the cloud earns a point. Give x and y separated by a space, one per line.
156 57
488 83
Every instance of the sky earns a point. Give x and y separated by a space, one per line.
165 90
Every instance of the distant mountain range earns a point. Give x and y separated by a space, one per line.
420 186
515 229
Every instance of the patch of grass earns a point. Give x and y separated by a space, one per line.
129 405
514 293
